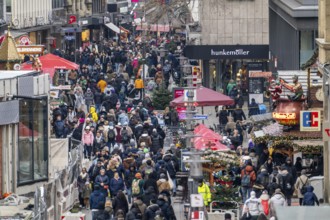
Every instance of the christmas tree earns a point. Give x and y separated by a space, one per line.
161 98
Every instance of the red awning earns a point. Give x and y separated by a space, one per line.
208 139
50 63
153 28
205 97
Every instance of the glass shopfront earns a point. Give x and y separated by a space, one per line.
32 141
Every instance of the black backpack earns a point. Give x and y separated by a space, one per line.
124 135
111 134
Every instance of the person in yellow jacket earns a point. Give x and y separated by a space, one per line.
93 114
204 190
139 86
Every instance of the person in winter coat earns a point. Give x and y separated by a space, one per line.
163 184
149 194
82 179
59 127
230 86
93 114
123 118
151 179
301 182
166 208
204 190
146 139
286 183
253 206
263 178
238 115
116 184
89 98
129 177
86 193
310 198
139 85
264 199
119 202
151 210
277 200
137 185
134 213
156 141
171 167
97 202
88 141
98 99
223 117
253 108
103 181
248 178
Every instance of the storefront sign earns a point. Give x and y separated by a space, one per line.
277 115
177 92
208 52
310 121
254 74
30 49
24 40
72 19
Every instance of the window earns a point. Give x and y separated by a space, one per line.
58 3
307 45
8 6
98 6
33 141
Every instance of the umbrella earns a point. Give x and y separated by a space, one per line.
50 63
205 97
208 139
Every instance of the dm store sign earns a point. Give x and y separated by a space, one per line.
310 121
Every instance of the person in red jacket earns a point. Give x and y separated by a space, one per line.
248 177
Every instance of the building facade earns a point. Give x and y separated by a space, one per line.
323 41
233 33
294 25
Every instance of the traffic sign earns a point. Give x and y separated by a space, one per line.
200 117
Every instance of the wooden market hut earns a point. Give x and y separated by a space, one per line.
9 55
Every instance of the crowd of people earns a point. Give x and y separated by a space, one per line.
110 111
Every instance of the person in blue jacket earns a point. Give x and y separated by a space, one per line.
309 197
97 202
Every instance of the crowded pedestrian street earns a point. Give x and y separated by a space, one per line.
164 110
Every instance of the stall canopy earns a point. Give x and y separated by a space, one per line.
208 139
113 27
50 63
205 97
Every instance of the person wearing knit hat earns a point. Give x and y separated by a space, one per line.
137 185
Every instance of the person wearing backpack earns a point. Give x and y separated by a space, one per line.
111 136
309 197
137 185
125 134
263 178
301 186
156 141
97 202
286 183
248 177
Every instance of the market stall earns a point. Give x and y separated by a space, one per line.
57 67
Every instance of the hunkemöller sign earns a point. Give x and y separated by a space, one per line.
208 52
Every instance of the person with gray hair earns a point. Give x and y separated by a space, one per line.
301 184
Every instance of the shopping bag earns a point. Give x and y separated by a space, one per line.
170 181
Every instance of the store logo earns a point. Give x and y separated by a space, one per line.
230 52
72 19
310 121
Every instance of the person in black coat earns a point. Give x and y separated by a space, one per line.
238 115
167 209
253 108
151 210
120 203
149 194
151 182
223 117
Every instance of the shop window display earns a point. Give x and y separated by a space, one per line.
32 143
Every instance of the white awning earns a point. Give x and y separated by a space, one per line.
113 27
